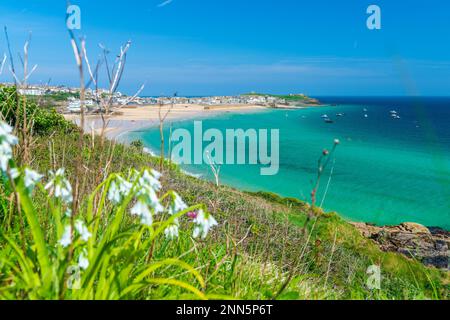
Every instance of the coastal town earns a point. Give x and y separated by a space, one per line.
67 99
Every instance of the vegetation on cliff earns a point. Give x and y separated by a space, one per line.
289 98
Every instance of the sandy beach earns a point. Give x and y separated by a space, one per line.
131 118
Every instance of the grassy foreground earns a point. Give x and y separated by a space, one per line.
264 247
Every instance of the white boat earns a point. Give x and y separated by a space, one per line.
324 116
366 116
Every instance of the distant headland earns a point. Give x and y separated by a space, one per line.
297 100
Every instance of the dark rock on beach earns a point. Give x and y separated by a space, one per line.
430 245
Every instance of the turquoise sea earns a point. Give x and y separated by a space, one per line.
386 170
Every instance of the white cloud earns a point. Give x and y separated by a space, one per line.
165 3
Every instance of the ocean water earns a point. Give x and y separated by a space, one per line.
386 171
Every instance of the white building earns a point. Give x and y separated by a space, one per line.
32 91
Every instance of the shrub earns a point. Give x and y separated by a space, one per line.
45 121
138 144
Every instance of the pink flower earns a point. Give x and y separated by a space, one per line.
192 215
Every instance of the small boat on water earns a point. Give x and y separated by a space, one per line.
366 115
340 114
328 120
324 116
365 110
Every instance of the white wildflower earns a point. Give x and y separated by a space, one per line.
171 232
15 173
114 193
5 155
142 210
156 174
204 223
5 133
31 178
177 205
82 230
60 186
147 200
118 190
124 186
150 180
83 261
153 200
147 219
66 239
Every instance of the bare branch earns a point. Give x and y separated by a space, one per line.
133 97
11 59
105 57
214 168
16 80
3 63
30 73
86 59
120 67
21 59
94 76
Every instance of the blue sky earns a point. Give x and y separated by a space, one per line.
203 47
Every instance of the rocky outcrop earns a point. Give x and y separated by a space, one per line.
431 246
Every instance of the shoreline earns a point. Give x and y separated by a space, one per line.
131 118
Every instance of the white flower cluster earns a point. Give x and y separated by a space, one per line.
177 205
119 189
82 231
31 177
83 261
7 141
59 186
84 235
204 222
145 186
147 199
172 231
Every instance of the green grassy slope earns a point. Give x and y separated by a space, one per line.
260 242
